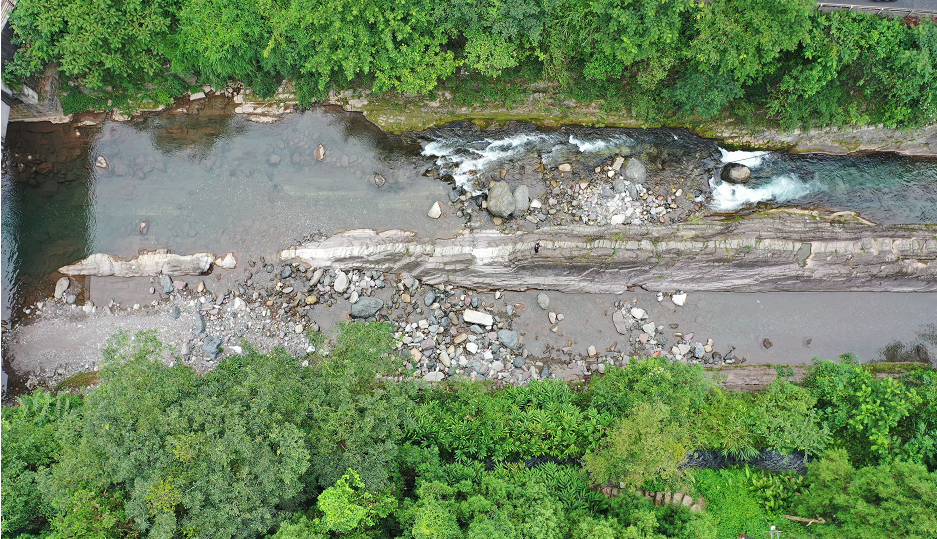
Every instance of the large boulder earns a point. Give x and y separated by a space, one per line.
735 173
366 307
635 171
521 200
500 200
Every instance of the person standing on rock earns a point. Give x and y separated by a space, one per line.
537 247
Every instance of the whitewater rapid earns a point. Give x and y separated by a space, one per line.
780 187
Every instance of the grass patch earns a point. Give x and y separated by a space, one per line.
734 507
78 381
885 367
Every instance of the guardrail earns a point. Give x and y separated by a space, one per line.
5 9
883 11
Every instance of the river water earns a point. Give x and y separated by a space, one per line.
215 182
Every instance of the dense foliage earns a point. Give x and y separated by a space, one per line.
676 60
268 445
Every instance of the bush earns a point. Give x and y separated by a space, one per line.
898 499
30 446
871 417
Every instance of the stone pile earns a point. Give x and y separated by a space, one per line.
616 192
647 339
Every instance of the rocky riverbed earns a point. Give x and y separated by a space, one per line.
443 332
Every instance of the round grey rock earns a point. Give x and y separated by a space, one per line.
509 338
735 173
635 171
543 301
521 200
165 281
500 200
212 346
366 307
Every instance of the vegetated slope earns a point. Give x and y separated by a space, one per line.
765 61
325 446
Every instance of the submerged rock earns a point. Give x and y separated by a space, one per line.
227 261
435 211
543 300
621 326
735 173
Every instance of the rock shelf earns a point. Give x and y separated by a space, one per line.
796 253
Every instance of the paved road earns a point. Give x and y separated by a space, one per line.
898 4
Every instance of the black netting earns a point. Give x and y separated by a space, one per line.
767 459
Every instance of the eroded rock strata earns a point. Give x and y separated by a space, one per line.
767 254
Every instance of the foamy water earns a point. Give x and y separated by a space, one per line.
780 188
467 159
783 188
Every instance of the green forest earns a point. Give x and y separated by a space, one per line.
328 445
758 61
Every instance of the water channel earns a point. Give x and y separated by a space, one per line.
217 182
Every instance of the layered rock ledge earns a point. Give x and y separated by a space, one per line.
753 255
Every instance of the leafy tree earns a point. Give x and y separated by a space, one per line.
785 419
868 415
612 36
221 40
861 69
91 514
680 387
746 37
705 93
214 457
399 44
884 501
645 445
500 34
355 421
30 446
725 425
301 528
347 505
98 43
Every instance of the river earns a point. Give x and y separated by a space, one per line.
217 182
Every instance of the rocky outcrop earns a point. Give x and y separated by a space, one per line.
158 262
764 254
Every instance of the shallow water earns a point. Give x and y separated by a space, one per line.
216 182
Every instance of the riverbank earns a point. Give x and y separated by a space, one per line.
450 332
398 113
